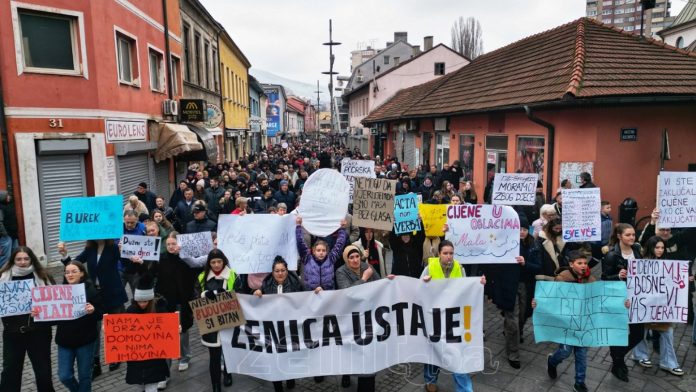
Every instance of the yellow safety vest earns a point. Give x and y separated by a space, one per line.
436 272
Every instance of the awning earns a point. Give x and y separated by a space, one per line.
174 140
209 152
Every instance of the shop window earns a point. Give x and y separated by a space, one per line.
127 59
530 155
466 156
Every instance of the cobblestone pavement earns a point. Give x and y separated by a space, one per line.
497 375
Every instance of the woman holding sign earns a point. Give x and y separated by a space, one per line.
217 276
20 335
76 338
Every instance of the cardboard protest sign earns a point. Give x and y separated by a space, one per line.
373 203
15 297
195 244
581 215
145 247
213 316
252 241
484 234
139 337
515 189
658 290
351 168
434 217
91 218
376 325
676 199
406 213
59 302
585 315
324 202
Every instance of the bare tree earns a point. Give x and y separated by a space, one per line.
467 37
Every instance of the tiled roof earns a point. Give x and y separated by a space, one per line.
581 59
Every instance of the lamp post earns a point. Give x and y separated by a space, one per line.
331 73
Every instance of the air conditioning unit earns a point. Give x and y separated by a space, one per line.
170 107
360 78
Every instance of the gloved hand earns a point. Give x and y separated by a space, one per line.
211 295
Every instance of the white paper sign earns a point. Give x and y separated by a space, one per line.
439 322
677 199
581 215
658 290
195 244
324 202
571 171
351 168
515 189
110 179
251 242
145 247
15 297
483 233
59 302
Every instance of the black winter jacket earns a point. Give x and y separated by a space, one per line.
81 331
151 370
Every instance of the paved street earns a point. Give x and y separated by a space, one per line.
497 376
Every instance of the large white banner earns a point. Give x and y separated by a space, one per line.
483 233
581 218
515 189
359 330
324 202
658 290
252 241
351 168
676 199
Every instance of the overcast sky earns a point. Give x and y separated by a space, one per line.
285 37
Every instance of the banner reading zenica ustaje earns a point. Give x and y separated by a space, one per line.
359 330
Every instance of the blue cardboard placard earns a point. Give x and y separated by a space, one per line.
406 213
91 218
583 315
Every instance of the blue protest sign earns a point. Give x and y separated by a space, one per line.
584 315
91 218
406 213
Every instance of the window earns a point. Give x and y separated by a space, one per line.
197 55
630 1
592 13
628 28
216 72
680 43
530 155
439 68
386 59
127 59
606 12
396 61
187 53
156 70
47 42
618 20
608 21
619 11
631 19
175 69
466 156
206 63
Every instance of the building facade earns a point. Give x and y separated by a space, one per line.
234 68
626 14
257 117
276 117
682 33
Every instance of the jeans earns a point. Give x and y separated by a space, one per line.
184 342
564 351
37 344
5 249
66 360
129 279
462 381
668 359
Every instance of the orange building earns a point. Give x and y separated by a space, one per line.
580 97
84 84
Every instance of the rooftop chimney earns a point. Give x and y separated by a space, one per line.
427 43
400 36
416 50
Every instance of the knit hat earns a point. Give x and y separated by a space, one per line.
200 183
348 250
144 290
524 222
284 182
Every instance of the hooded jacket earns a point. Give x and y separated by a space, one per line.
316 273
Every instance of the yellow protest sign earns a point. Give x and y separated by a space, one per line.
434 217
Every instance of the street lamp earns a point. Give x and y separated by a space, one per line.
331 73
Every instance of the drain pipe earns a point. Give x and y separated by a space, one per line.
5 141
550 153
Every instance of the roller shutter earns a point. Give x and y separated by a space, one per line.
161 185
132 170
410 149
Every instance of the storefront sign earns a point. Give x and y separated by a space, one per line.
214 116
629 134
125 130
193 110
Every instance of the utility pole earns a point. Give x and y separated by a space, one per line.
318 112
331 73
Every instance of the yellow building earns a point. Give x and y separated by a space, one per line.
234 74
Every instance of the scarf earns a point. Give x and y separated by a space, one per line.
22 271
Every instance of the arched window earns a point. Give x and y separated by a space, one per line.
680 42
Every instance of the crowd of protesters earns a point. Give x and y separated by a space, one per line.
271 182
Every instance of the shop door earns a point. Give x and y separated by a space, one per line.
59 176
132 170
442 149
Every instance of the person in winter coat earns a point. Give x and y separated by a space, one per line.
8 227
407 251
217 276
508 286
200 223
552 250
176 282
371 250
145 196
213 196
285 195
226 203
21 335
318 264
242 206
427 188
622 249
152 373
182 212
266 202
280 281
76 338
546 213
161 206
134 204
178 194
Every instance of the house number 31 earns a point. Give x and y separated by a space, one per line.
55 123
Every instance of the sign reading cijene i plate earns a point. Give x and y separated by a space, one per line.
118 130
